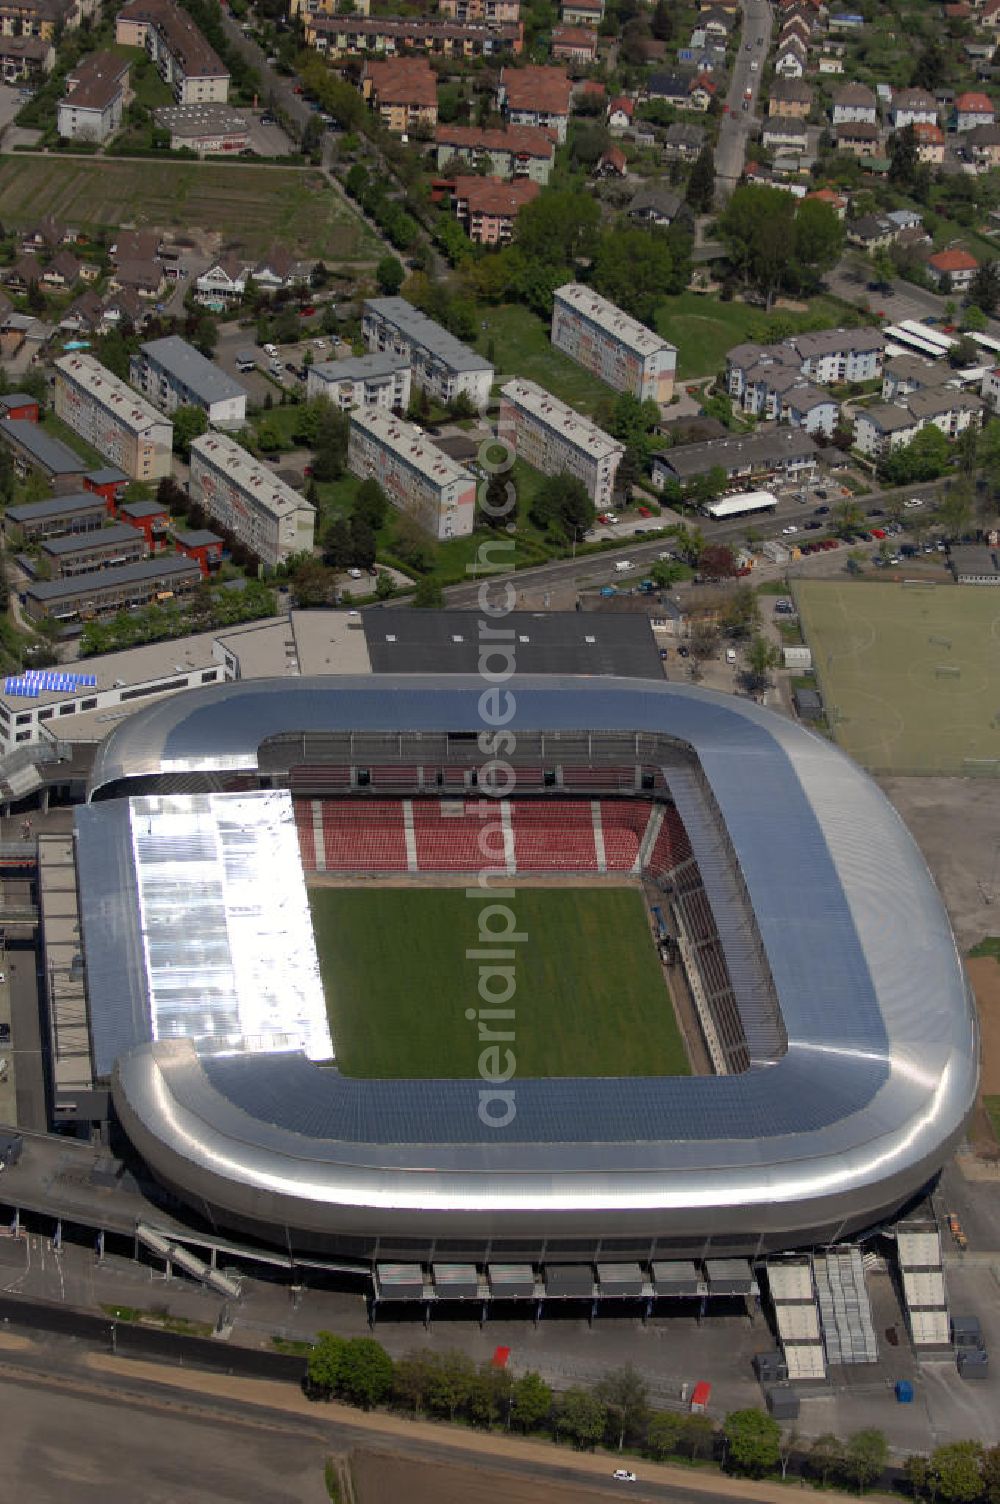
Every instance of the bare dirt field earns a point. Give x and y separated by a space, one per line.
984 974
378 1476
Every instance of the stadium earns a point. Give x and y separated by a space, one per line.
651 974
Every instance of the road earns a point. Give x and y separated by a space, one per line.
730 151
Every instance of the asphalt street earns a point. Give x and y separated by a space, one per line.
731 148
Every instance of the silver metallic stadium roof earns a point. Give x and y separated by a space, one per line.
874 1089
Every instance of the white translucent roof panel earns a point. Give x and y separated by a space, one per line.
226 931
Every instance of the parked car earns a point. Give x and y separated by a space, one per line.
623 1475
821 511
878 532
812 523
791 528
913 503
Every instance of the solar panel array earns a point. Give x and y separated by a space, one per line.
30 684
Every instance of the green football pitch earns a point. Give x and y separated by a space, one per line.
589 1000
910 674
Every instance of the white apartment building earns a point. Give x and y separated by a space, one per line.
122 426
174 374
380 380
439 363
185 60
552 437
249 501
611 345
417 477
97 95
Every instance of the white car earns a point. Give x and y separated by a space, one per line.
320 344
355 574
914 501
754 66
791 529
623 1475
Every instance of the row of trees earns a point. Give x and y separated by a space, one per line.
372 194
208 609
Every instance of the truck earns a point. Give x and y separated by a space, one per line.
622 566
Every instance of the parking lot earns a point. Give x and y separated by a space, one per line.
235 339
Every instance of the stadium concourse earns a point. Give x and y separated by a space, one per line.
774 886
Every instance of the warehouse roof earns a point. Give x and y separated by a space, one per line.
109 579
405 641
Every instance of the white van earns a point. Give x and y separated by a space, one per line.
730 655
622 566
271 350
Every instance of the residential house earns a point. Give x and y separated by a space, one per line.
701 93
836 201
910 373
990 390
143 277
859 137
83 316
225 281
972 109
402 91
582 13
853 103
790 58
872 232
536 96
25 59
97 95
135 245
989 16
358 36
808 407
912 107
279 269
982 147
62 271
956 268
612 163
657 204
26 272
831 63
124 307
574 44
980 55
949 410
671 88
881 429
791 97
521 151
487 208
47 235
621 110
834 356
796 26
785 133
930 143
683 143
500 11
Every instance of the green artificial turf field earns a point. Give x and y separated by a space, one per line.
910 675
590 998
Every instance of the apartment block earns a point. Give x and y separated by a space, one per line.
418 478
520 152
358 36
553 438
97 95
536 96
480 10
402 91
121 425
246 499
611 345
487 208
184 59
440 364
381 380
174 374
107 591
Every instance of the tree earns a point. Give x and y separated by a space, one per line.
916 1471
974 320
498 508
741 613
955 1472
313 583
954 511
410 1376
865 1458
428 594
964 352
189 424
363 546
371 503
930 67
663 1434
625 1396
717 562
925 457
531 1402
757 229
991 1475
337 541
703 641
761 657
752 1442
819 238
562 505
700 192
488 1396
699 1434
626 475
638 268
581 1416
449 1382
848 517
666 572
558 226
690 543
325 1364
390 275
365 1372
984 289
903 156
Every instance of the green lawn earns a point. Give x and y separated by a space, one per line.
69 436
988 947
521 347
252 205
703 328
910 674
590 997
992 1105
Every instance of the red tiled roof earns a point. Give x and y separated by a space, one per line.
524 140
615 157
574 36
953 261
403 80
627 106
494 196
967 104
534 88
927 134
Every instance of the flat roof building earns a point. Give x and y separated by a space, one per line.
174 374
418 478
110 590
552 437
105 411
106 548
76 512
205 128
611 345
248 501
440 364
35 449
379 380
975 564
772 450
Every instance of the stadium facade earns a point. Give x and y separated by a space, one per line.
846 1039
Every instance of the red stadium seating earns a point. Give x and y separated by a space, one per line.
554 836
447 835
364 835
307 838
624 826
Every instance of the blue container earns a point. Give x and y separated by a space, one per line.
904 1392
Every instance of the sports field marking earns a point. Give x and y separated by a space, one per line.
590 995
